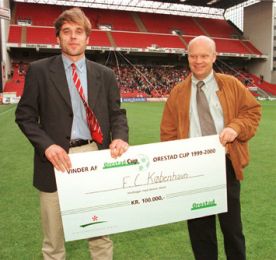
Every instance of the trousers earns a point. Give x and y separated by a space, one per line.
101 248
202 231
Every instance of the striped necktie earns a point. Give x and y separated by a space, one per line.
92 121
206 121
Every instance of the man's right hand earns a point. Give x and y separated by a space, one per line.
58 157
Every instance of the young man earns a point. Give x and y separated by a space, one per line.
70 104
234 114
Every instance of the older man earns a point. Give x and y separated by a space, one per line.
207 103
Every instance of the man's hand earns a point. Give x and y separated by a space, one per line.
227 135
58 157
117 148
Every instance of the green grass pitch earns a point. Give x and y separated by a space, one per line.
20 233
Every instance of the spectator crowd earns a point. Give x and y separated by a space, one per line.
137 81
148 81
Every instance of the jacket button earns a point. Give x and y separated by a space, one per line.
68 137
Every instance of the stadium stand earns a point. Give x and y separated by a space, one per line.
41 15
147 81
267 87
145 40
40 35
225 45
99 38
16 83
217 28
231 46
15 34
137 81
162 23
135 31
114 20
250 47
155 29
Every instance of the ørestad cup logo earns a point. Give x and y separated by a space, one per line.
142 161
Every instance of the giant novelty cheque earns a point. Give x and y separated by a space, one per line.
149 185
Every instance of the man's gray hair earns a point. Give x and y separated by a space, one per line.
205 39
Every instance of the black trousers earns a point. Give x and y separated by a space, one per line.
202 231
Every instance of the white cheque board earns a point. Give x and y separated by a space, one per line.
150 185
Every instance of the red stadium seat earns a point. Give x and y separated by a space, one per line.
217 27
15 34
40 35
145 40
162 23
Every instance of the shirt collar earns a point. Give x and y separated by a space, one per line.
80 64
206 80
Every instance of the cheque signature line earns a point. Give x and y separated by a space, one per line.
195 191
123 188
94 208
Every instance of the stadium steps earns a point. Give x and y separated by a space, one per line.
262 93
183 40
139 23
200 26
247 47
252 48
111 40
269 88
24 34
99 38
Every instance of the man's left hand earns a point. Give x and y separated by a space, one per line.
227 135
118 147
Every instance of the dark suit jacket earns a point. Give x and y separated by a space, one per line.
44 113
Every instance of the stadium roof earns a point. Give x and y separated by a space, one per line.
223 4
203 8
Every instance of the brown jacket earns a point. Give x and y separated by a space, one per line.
241 112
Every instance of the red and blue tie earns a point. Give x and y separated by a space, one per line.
94 127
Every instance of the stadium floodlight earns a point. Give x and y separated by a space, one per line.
212 2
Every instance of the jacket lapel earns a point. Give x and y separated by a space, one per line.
58 77
93 82
184 104
222 99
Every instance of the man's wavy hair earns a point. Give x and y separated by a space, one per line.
73 15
